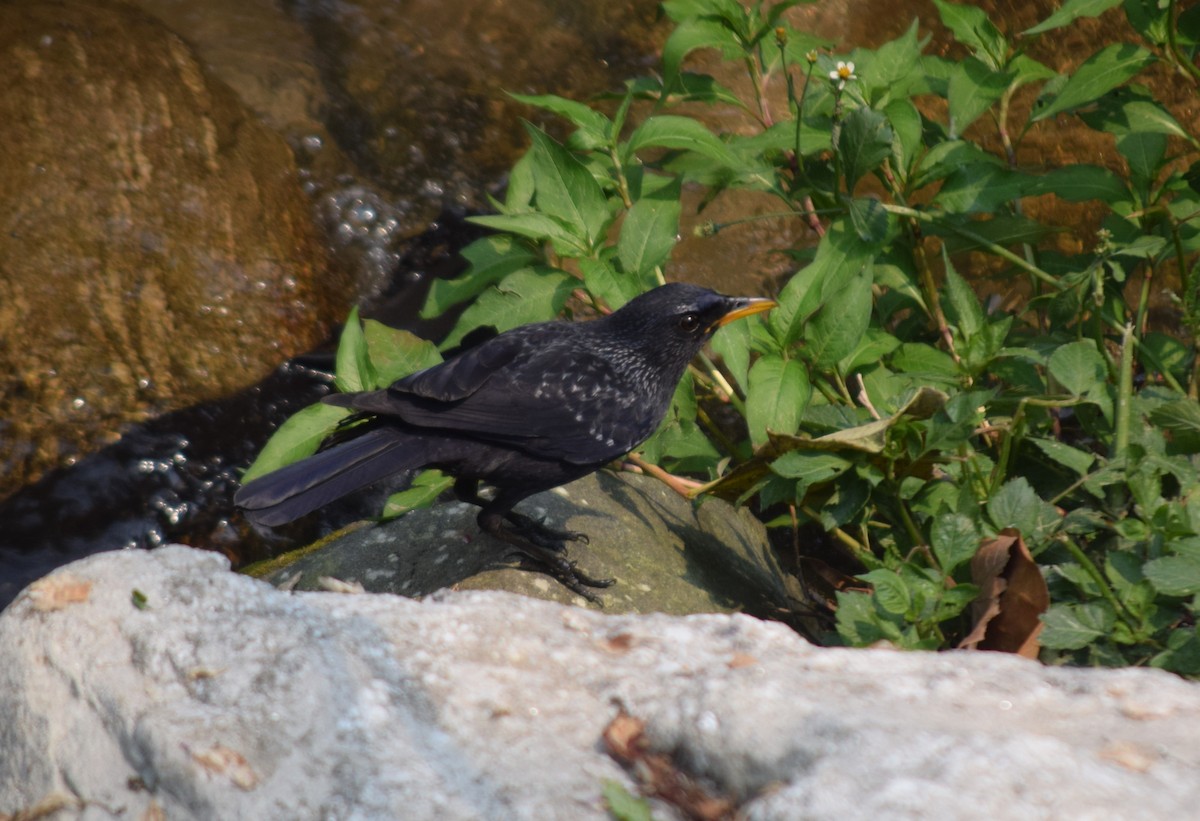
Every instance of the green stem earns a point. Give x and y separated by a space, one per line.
966 233
1179 58
1124 395
714 373
1106 592
856 548
1016 429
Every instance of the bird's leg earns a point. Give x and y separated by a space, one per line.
540 549
467 490
541 559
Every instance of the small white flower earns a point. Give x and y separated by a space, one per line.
843 74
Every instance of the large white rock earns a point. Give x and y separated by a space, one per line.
224 698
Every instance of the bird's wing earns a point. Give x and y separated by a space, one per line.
460 377
534 391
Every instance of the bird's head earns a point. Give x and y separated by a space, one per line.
675 320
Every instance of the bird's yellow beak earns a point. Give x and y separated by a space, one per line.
754 305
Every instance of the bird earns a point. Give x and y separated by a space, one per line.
525 411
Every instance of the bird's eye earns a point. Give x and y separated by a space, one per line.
689 323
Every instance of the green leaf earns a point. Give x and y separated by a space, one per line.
947 157
1078 367
491 259
732 343
893 69
683 133
1080 183
840 250
1073 626
1177 575
955 540
1131 110
865 141
623 805
926 361
869 218
353 369
973 29
870 350
960 233
965 311
982 188
595 126
1071 11
650 230
296 438
1144 152
810 467
890 591
1015 504
860 622
1102 72
1182 654
565 188
840 323
906 124
609 284
1182 419
688 36
395 353
423 492
522 297
537 226
974 88
1076 460
777 394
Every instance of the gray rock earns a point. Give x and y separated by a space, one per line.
666 554
221 697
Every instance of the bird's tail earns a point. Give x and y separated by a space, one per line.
302 487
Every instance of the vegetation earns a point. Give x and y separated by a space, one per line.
881 401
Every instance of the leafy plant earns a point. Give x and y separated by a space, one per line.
881 401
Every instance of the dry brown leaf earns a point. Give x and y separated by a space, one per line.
619 643
657 774
1012 597
58 591
229 763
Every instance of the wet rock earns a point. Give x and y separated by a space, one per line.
152 685
666 554
421 87
157 249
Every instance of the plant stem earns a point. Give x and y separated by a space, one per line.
1124 395
1106 592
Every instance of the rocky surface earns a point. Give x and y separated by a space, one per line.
157 248
666 554
151 685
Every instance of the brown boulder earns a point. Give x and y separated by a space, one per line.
156 248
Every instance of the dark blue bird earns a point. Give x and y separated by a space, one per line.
528 410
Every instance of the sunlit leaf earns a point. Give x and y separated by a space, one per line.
778 392
296 438
1100 73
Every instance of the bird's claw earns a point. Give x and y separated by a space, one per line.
539 534
565 572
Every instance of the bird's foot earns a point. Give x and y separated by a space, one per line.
540 549
563 570
541 535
